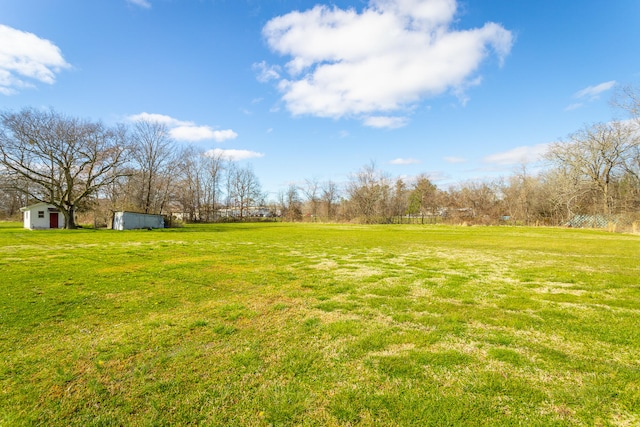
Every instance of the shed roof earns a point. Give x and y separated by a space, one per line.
35 205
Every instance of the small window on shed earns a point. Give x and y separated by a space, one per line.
40 214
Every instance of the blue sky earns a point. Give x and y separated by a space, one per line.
299 89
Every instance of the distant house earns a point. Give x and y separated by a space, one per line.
133 220
42 216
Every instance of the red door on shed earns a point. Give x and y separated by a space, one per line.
53 219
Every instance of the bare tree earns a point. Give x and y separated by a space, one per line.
330 198
368 194
197 183
154 154
627 99
400 199
599 154
11 200
517 195
477 202
188 188
291 204
566 191
59 160
117 196
311 190
244 189
213 169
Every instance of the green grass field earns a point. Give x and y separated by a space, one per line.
319 325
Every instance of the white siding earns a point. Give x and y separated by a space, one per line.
37 217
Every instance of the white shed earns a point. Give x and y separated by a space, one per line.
133 220
42 216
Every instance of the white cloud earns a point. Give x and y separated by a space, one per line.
574 106
392 54
25 57
142 3
590 94
201 133
233 155
524 154
158 118
266 72
401 161
453 159
385 122
186 131
593 92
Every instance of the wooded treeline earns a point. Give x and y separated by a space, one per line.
86 168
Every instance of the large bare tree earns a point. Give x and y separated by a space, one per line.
627 99
154 153
57 159
598 154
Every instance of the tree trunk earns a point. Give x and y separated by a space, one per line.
69 218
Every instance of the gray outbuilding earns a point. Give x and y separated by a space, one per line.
133 220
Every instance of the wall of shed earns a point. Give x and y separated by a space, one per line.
132 221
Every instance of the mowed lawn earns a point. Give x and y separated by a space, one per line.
319 325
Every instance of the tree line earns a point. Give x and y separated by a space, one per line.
87 168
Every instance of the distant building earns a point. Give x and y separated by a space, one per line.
42 216
133 220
